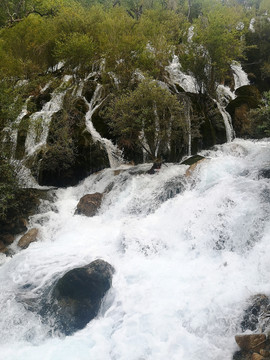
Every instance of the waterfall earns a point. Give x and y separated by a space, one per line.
227 121
239 75
14 131
188 253
187 82
251 25
40 121
114 154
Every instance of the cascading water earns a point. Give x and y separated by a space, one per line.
188 253
114 154
225 95
227 121
239 75
40 121
187 82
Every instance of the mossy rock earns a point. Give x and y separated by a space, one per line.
248 97
70 154
89 89
21 138
212 129
37 102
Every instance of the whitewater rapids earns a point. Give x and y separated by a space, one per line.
188 252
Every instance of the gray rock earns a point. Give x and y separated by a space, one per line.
78 295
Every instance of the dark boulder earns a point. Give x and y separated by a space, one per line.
89 204
79 293
192 160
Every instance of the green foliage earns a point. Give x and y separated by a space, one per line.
10 102
260 118
8 188
76 50
217 41
150 116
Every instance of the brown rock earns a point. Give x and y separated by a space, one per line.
28 238
265 353
256 356
89 204
8 238
3 248
253 342
192 167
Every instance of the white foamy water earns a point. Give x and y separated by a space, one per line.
114 153
188 254
40 121
239 75
177 76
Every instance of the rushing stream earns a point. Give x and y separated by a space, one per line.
188 254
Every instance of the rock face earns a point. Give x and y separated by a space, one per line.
16 220
211 125
79 293
89 204
70 153
28 238
248 97
253 342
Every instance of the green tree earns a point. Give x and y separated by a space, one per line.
8 188
260 118
218 40
149 117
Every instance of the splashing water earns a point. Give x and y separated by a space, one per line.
188 253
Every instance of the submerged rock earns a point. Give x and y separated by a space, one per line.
264 173
79 293
256 316
89 204
28 238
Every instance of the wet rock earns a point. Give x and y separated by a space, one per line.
192 168
265 353
155 167
7 238
242 355
16 221
248 97
253 342
256 356
264 173
70 154
3 248
28 238
79 294
210 123
89 204
192 160
255 316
